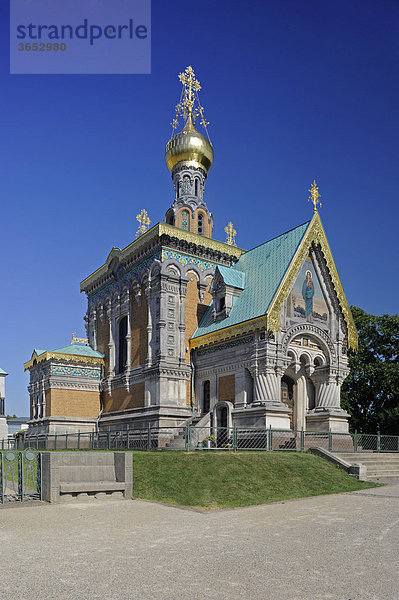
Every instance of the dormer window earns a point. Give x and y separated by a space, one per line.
227 285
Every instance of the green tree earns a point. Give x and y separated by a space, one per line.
371 392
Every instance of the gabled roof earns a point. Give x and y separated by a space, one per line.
82 352
264 268
232 277
270 271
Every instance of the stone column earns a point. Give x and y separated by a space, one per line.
129 335
148 293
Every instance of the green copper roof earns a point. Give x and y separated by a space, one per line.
79 350
3 372
232 277
264 268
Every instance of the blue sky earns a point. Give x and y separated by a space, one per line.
293 91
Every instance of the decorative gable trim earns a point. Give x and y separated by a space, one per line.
314 235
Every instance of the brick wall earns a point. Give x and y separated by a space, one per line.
121 399
194 310
47 396
139 331
227 388
73 403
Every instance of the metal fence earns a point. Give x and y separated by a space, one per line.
20 475
207 438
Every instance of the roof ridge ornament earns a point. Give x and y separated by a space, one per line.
314 196
231 234
78 340
144 221
189 106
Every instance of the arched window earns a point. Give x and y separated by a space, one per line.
200 223
186 187
185 219
122 345
196 186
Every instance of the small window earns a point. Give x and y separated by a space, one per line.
200 223
196 187
185 219
186 187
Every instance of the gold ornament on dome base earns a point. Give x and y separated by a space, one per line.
314 196
231 234
144 221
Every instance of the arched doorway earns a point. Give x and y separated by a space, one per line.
288 396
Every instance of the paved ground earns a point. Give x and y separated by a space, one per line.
341 547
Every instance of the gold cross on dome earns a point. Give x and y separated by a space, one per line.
191 85
314 196
144 221
231 234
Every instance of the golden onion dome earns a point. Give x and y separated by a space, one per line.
190 148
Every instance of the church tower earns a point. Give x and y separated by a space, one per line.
189 157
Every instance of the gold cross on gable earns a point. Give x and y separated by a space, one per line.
231 234
144 221
314 196
78 340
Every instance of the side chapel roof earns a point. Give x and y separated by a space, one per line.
270 271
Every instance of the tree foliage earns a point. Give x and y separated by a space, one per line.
371 391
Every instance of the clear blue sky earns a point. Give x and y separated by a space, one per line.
293 91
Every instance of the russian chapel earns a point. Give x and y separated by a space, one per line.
184 328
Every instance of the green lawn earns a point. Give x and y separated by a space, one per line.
213 479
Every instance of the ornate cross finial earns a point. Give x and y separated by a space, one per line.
314 196
77 340
231 234
189 106
144 221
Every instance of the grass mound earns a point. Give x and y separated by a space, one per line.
215 479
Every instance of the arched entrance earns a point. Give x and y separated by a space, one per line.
288 396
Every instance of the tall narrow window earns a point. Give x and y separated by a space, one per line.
185 216
122 347
196 187
207 396
186 188
200 223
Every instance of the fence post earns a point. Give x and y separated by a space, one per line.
55 441
378 440
302 438
270 438
187 437
235 438
128 438
330 441
149 437
109 438
355 441
66 441
79 439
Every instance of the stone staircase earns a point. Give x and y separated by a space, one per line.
178 442
380 465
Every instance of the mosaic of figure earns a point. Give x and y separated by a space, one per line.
307 295
306 300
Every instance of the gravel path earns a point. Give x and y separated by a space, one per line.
339 547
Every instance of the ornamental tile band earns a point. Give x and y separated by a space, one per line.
185 259
76 371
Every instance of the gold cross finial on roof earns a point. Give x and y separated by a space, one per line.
77 340
231 234
314 196
144 221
